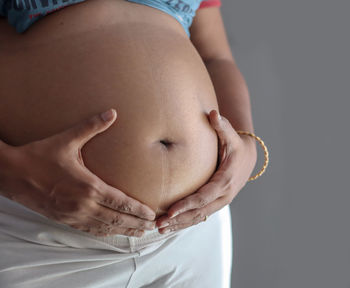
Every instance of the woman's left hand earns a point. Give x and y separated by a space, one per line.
237 156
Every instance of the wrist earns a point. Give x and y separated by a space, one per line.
249 141
250 145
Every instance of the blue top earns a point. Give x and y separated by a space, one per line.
23 13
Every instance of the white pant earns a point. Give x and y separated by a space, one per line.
36 252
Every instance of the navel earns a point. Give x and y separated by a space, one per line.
167 143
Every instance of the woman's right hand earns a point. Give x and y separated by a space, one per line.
49 177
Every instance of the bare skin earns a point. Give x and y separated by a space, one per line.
105 54
231 177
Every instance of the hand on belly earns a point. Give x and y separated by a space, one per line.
49 177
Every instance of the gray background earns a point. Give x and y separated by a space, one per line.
291 225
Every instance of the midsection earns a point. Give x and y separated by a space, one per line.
101 54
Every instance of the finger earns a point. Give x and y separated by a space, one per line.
162 221
114 218
118 201
205 195
222 126
81 133
193 217
98 228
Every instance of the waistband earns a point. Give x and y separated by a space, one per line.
134 244
24 223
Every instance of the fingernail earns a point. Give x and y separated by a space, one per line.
167 230
107 115
219 116
164 225
175 214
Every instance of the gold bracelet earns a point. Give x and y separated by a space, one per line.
266 153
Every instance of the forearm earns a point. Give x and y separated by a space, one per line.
232 94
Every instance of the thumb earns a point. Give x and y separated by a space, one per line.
87 129
224 129
218 123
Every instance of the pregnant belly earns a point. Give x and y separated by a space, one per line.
136 59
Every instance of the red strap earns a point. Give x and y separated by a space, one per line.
209 3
